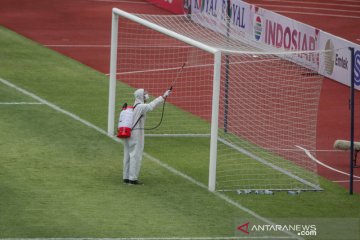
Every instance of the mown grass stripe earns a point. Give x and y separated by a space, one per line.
153 159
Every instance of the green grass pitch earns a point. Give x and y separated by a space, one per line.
60 178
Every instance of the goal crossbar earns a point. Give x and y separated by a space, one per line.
165 31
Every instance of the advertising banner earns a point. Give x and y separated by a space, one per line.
212 14
240 17
280 32
267 29
336 61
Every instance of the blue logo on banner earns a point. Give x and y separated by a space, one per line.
357 68
257 28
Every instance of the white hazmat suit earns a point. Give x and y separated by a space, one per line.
134 145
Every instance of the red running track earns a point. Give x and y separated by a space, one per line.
80 29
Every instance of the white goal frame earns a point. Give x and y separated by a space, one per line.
216 81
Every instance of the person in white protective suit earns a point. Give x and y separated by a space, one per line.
134 145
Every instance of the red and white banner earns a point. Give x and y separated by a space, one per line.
240 17
212 14
174 6
281 32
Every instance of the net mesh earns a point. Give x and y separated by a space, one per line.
268 101
268 108
153 61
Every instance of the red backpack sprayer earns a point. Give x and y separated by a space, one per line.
126 120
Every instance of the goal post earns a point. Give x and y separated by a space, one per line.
214 121
112 78
270 98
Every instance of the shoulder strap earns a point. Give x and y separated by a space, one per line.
137 122
138 118
136 105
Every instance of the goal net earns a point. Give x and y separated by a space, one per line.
256 107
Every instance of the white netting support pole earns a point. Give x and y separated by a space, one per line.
214 121
112 79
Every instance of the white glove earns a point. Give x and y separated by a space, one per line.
166 94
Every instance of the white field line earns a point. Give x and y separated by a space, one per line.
308 8
269 164
318 14
21 103
307 152
153 159
200 135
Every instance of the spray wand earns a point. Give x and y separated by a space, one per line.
177 76
171 88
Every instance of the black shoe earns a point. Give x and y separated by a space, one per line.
126 181
135 182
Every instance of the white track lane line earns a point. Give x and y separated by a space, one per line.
344 181
151 158
308 8
315 3
318 14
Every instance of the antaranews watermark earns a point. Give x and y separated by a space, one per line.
303 228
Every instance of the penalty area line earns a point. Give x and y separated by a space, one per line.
151 158
307 152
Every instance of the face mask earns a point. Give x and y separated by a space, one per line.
146 96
